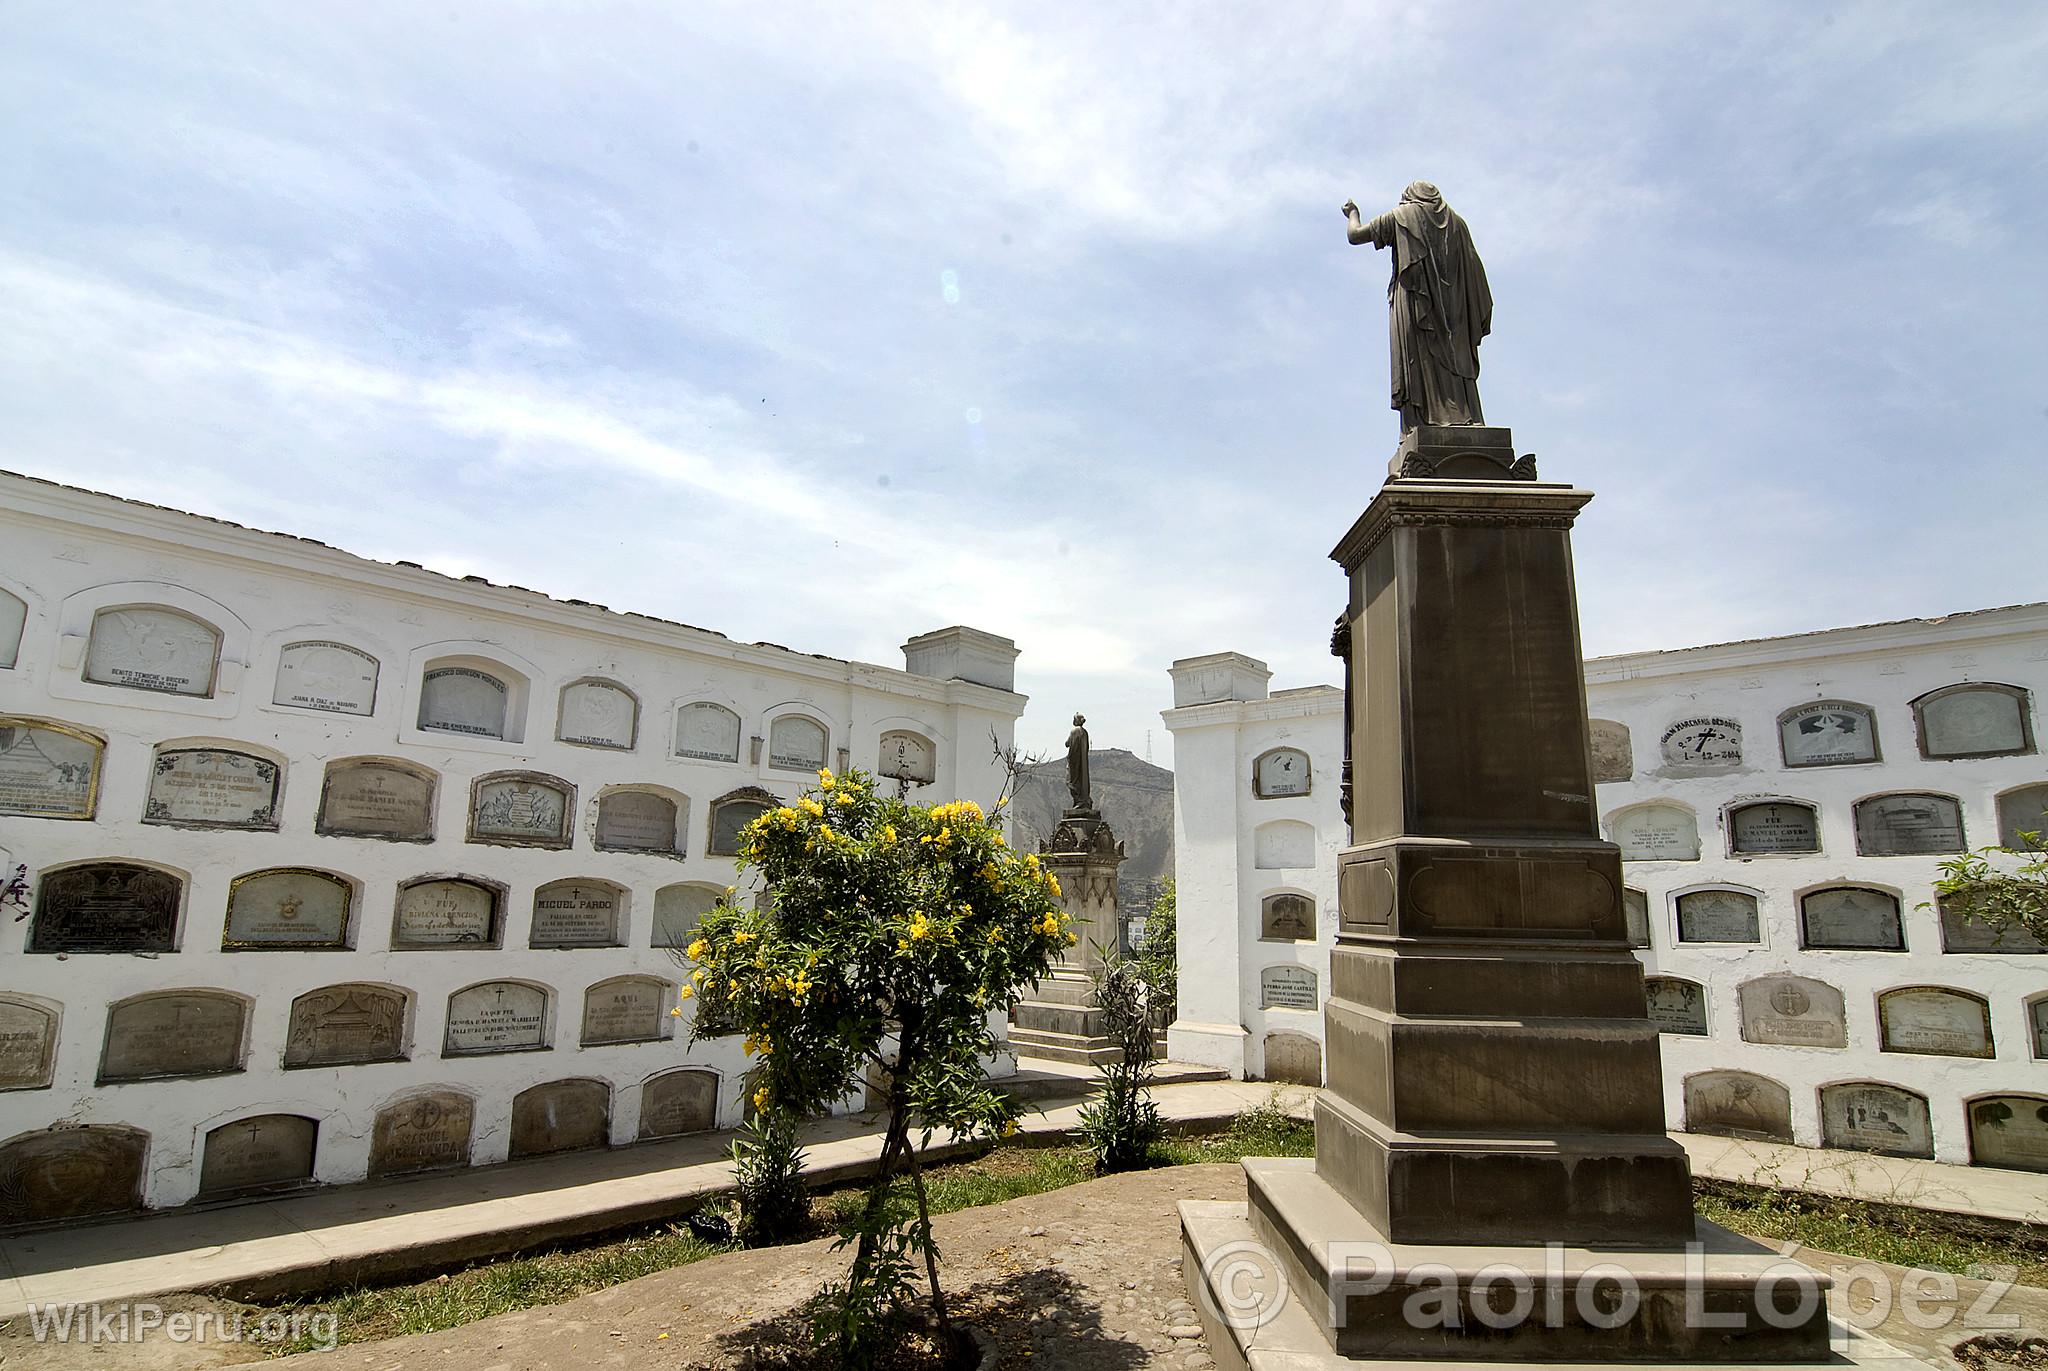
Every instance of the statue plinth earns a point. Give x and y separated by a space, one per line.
1474 452
1494 1083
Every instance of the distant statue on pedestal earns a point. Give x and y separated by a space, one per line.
1438 305
1077 766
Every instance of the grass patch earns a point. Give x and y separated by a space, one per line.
1878 1232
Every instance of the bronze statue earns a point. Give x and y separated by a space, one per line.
1438 306
1077 766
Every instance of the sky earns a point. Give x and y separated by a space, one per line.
827 326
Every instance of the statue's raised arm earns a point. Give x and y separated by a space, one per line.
1438 306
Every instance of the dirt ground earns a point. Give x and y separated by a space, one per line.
1086 1277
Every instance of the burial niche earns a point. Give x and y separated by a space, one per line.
462 699
174 1033
331 677
424 1131
1280 773
1868 1116
1288 987
1738 1104
1792 1011
1676 1005
2037 1022
639 821
1701 745
707 732
577 914
497 1016
346 1025
906 756
1655 833
287 907
1908 825
561 1116
796 743
521 809
730 814
2024 810
1294 1057
28 1044
48 770
1773 828
627 1009
13 619
1851 919
678 909
212 787
367 797
152 647
106 907
1287 917
1718 916
598 714
1959 934
677 1102
71 1173
2010 1130
1976 720
445 912
1284 844
1934 1021
1828 733
267 1152
1635 916
1614 757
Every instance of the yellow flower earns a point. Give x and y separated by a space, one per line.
989 872
698 975
688 991
843 797
888 833
1052 883
995 935
676 1013
696 950
761 1098
740 935
1070 940
1009 1128
811 807
920 928
825 777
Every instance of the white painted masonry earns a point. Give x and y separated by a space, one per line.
71 553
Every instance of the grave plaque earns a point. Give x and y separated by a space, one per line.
424 1132
727 819
1934 1022
561 1116
2022 811
258 1154
678 909
575 914
205 787
343 1024
1294 1057
1792 1011
906 756
677 1102
1970 935
1868 1117
626 1009
796 744
598 714
1702 745
461 699
1676 1006
290 907
106 907
2037 1014
1284 844
1773 827
368 799
638 821
1635 914
71 1173
2010 1130
176 1033
1288 987
444 914
1830 733
708 733
526 811
1614 757
48 771
498 1016
28 1045
1656 833
13 619
1281 773
332 677
1973 722
1717 916
151 648
1908 825
1289 917
1736 1104
1851 918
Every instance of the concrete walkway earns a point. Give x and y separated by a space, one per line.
326 1238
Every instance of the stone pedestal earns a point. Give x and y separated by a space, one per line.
1060 1021
1494 1084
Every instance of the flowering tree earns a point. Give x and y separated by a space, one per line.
887 934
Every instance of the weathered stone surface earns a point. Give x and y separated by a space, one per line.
212 787
174 1033
575 914
1281 773
1635 915
28 1044
422 1132
561 1116
444 913
1773 826
1613 754
676 1102
678 909
1287 917
1718 916
332 677
71 1173
2010 1130
290 907
905 756
796 743
2024 810
1656 833
638 821
1853 918
260 1153
1795 1011
461 699
48 770
1970 936
369 798
1738 1105
1701 746
1677 1005
497 1016
1934 1021
728 817
1828 733
1865 1116
343 1024
1294 1057
521 810
1283 844
626 1009
598 714
1908 825
1287 987
149 647
2037 1023
708 733
1973 721
106 907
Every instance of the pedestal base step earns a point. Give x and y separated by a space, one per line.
1063 1047
1255 1322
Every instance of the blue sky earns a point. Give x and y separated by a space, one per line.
827 326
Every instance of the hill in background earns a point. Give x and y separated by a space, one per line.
1136 798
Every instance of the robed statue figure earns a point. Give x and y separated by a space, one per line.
1077 766
1438 305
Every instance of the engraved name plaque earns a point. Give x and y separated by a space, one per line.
560 1117
525 811
345 1024
498 1016
1773 827
1794 1011
1737 1104
377 799
28 1044
151 648
598 714
444 913
678 1102
638 821
173 1033
290 907
1656 833
1828 733
1287 987
1935 1022
1852 918
708 733
2010 1130
1717 916
106 907
48 770
575 914
267 1152
1676 1006
1613 755
1869 1117
423 1132
332 677
1908 825
460 699
1288 917
205 787
71 1173
626 1009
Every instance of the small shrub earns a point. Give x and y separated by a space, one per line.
1121 1124
768 1180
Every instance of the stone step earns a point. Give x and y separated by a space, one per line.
1042 1017
1062 1047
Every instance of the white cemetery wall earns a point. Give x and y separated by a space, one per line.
374 629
